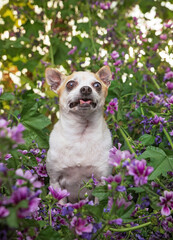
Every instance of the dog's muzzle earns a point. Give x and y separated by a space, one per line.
83 103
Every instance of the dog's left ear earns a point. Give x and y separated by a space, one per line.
105 75
54 78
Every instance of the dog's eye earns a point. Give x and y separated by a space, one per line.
97 86
70 85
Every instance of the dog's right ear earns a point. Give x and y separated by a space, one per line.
54 78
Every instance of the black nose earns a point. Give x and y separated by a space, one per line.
85 90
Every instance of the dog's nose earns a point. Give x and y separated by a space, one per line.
85 90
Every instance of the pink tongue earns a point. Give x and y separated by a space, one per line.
83 102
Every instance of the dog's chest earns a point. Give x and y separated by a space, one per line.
87 149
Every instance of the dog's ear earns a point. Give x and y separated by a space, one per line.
54 78
105 75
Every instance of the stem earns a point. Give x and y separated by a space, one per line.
127 141
160 183
168 137
131 228
149 191
165 132
154 81
50 215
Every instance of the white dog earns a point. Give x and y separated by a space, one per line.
80 141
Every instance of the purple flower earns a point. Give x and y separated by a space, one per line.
114 55
16 133
3 123
170 100
41 170
117 221
116 156
117 178
166 203
3 212
112 106
7 156
28 175
121 189
94 180
32 207
171 133
122 202
72 51
20 194
78 205
168 75
58 193
169 85
163 36
139 171
117 63
81 225
157 119
3 168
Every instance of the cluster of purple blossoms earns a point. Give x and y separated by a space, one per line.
112 106
136 168
14 133
105 6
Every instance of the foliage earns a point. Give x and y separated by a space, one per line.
136 202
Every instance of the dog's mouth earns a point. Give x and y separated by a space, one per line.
83 102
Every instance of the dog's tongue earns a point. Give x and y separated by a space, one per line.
84 102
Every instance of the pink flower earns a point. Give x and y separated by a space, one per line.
3 212
168 75
163 36
169 85
81 225
112 106
117 178
166 203
114 55
41 170
139 171
122 202
58 193
116 156
28 175
171 133
170 100
72 51
3 123
16 133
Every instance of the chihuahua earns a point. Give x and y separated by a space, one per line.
80 141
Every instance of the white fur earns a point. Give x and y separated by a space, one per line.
79 142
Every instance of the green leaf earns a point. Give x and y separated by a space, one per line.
48 233
7 97
147 139
100 192
12 219
158 160
95 211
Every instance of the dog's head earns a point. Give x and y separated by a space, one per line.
81 91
